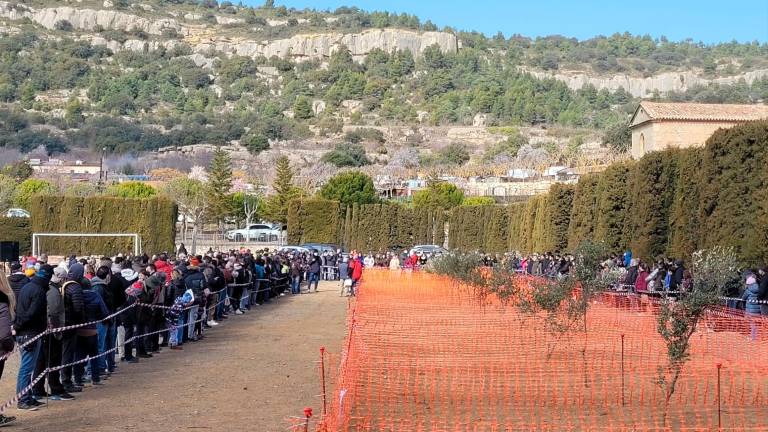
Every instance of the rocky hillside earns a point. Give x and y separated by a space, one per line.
137 76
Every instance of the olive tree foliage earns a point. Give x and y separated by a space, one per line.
565 301
712 270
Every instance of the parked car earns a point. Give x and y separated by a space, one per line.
428 249
255 232
17 212
294 249
322 247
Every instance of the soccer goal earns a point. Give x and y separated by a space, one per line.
37 236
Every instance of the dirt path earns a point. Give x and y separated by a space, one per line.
249 373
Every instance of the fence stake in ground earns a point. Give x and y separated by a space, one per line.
622 369
322 378
307 414
719 424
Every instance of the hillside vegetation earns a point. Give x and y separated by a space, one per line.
137 76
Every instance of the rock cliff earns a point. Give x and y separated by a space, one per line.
88 19
299 47
643 87
322 45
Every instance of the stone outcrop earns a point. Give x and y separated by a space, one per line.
88 19
643 87
319 46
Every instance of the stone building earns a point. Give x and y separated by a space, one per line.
659 125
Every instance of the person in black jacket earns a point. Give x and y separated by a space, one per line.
74 309
94 309
17 278
762 293
31 319
195 281
676 281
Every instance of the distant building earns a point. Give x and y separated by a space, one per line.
60 167
658 125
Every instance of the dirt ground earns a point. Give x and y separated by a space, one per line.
250 373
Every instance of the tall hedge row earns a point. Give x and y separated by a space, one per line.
671 203
16 229
367 227
154 219
302 215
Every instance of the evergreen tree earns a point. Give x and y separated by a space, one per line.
611 204
302 109
219 184
349 188
284 191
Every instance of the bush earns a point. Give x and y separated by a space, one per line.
347 155
132 189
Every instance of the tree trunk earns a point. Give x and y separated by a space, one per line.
193 248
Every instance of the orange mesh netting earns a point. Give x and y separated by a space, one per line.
423 354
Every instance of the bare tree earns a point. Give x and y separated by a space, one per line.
193 200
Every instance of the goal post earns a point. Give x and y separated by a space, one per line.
37 236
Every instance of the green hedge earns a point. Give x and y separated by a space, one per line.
367 227
313 221
154 219
671 203
17 230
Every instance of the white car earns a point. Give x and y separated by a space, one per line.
17 212
255 232
428 249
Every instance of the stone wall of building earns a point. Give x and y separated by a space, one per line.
660 135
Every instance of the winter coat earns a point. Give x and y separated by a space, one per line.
641 282
74 306
94 308
314 267
343 270
357 270
17 280
100 287
195 280
6 338
763 291
164 267
55 306
631 276
750 296
31 308
676 280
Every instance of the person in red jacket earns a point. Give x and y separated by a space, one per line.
162 266
356 269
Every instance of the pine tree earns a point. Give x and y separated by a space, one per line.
302 109
219 184
284 191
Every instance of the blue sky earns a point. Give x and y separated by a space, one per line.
709 21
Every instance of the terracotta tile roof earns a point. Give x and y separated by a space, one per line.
704 112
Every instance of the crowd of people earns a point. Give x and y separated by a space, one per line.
74 321
667 276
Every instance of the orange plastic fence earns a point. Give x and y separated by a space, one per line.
423 355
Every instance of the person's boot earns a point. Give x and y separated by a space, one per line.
6 420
